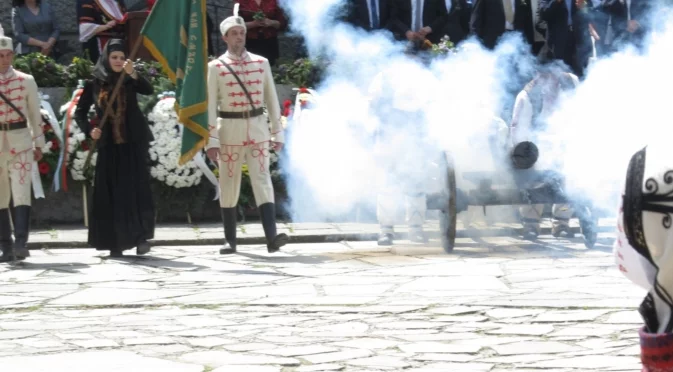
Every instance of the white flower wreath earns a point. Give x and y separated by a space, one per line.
77 146
165 150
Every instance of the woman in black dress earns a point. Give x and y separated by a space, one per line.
122 215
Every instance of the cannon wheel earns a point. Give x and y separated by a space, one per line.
448 215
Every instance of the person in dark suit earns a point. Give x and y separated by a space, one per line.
458 20
417 20
560 17
368 15
586 19
493 18
625 22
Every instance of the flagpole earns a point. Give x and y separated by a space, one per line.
115 93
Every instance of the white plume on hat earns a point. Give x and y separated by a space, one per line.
5 42
232 21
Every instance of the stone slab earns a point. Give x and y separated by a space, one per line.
107 361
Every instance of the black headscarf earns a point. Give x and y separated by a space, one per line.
103 71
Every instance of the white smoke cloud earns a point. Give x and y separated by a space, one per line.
623 104
334 165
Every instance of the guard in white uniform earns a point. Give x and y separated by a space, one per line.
21 141
533 106
402 178
240 85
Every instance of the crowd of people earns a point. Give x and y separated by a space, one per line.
566 30
36 28
123 213
122 210
557 30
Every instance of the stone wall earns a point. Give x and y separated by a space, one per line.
67 18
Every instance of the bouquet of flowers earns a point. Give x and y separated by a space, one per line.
302 72
165 150
45 70
445 47
258 16
79 69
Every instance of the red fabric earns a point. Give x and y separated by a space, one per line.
150 4
271 9
656 351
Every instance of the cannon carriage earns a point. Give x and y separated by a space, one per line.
516 183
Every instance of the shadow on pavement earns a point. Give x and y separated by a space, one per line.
159 263
302 259
70 268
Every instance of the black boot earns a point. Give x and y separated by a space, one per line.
6 240
143 248
273 241
229 220
531 229
560 227
416 234
385 239
21 231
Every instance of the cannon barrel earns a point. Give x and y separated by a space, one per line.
524 155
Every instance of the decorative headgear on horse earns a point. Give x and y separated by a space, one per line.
648 204
5 42
232 21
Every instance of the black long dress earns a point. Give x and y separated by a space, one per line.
122 209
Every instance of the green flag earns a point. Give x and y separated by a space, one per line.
175 33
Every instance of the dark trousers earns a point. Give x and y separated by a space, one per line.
568 53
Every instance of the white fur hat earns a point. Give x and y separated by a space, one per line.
232 21
5 42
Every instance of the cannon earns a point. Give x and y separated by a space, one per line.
515 183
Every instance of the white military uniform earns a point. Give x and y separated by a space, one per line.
243 140
400 179
523 130
18 136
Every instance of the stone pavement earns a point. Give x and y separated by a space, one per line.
252 233
495 304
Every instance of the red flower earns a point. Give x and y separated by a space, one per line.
287 103
287 112
85 145
46 128
54 144
44 168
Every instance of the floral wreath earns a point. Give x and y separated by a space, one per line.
165 149
51 150
76 143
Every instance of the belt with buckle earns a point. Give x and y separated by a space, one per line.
13 126
241 115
